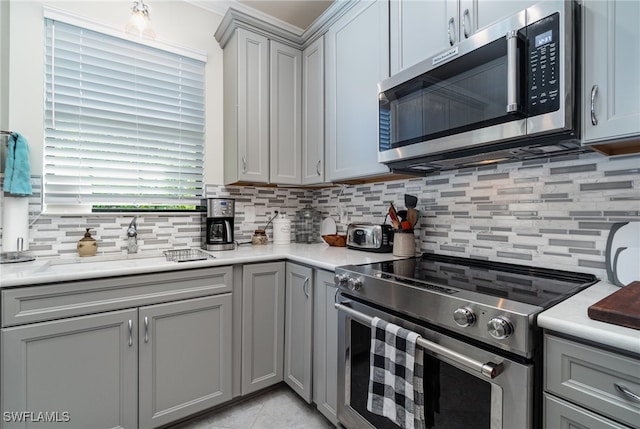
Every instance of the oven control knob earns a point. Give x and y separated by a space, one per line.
500 328
355 283
342 280
464 316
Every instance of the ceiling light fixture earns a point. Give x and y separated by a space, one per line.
139 23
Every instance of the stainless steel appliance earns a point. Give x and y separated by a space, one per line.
508 92
217 231
370 237
482 349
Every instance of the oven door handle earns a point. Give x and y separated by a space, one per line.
489 369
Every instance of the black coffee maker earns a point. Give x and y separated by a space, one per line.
217 231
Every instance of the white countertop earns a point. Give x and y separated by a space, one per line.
59 269
570 318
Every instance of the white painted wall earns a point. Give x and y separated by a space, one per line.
175 22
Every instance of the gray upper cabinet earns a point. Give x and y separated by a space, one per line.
421 29
262 103
246 108
611 66
325 345
417 30
84 366
185 358
285 114
263 287
357 58
313 113
298 338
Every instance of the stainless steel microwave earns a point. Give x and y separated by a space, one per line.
509 92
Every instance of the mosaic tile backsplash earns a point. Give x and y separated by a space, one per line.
545 213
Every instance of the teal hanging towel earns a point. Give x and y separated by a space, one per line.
17 172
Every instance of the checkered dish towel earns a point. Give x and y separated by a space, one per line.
395 380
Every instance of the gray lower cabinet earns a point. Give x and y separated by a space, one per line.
298 337
325 346
157 350
184 358
262 325
83 368
561 414
589 387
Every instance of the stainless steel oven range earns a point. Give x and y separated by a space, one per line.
477 322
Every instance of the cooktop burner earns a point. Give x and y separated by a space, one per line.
448 274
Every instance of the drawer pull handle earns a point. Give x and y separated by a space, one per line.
626 392
146 329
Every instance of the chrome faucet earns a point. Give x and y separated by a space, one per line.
132 236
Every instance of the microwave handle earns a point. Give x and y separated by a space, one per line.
512 72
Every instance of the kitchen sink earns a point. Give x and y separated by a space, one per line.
103 262
117 261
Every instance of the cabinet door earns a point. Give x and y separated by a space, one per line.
83 368
611 66
357 59
466 17
285 114
185 358
298 329
325 337
262 325
418 30
253 107
313 113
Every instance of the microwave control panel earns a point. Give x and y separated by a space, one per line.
543 62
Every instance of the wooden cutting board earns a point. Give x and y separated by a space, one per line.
620 308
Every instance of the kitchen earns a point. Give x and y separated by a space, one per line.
553 214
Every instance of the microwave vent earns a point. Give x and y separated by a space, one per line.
477 157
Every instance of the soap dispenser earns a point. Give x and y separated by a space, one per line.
87 246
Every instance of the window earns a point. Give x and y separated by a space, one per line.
124 124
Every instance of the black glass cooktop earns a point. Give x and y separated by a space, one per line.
449 274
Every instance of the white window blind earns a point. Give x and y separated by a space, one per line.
124 123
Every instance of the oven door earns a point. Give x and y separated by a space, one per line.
459 389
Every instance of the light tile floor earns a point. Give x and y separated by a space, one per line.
279 408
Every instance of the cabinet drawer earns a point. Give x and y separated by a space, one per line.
59 300
559 414
588 376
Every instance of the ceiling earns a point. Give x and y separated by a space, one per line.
300 13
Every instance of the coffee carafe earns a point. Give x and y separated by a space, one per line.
217 231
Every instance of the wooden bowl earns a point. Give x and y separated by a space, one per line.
337 240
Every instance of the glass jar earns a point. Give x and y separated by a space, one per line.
307 225
259 237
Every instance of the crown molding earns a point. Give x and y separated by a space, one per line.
237 15
272 28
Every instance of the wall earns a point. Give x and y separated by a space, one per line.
555 214
25 58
